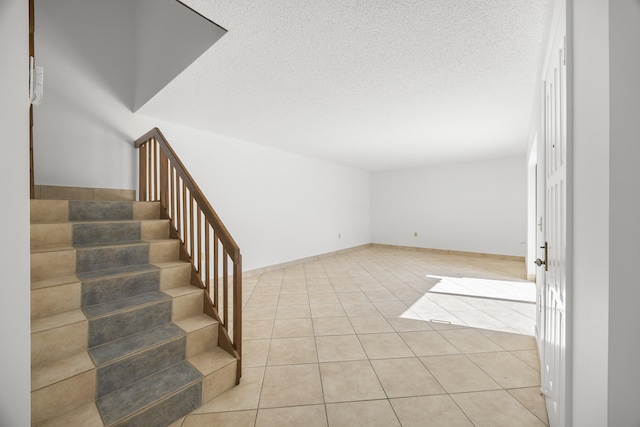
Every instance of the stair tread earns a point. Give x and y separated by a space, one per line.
111 272
99 310
178 291
46 375
126 401
211 360
57 320
196 322
86 415
52 248
116 244
54 281
131 344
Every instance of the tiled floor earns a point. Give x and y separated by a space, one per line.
386 337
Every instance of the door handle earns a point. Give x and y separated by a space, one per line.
540 262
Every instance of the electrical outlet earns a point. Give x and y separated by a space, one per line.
415 234
339 236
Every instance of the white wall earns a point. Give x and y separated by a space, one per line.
590 288
168 37
15 385
278 206
475 207
624 198
87 51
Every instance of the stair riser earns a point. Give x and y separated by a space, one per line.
202 340
187 305
43 235
91 233
97 259
100 211
57 299
164 251
219 382
62 397
175 276
130 369
55 344
52 264
106 290
123 324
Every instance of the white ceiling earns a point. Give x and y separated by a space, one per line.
372 84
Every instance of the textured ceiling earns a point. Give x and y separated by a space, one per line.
373 84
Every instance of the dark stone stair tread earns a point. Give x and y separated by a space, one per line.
99 310
98 210
105 232
128 322
168 410
111 256
89 275
122 347
125 402
126 371
103 245
115 287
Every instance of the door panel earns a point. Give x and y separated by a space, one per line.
554 341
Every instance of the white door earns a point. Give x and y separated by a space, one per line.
554 295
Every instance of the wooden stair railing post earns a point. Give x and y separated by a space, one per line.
163 178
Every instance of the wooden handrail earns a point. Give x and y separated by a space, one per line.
205 241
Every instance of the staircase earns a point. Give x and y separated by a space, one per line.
118 334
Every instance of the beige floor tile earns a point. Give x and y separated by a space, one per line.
296 416
349 381
381 295
332 326
457 374
391 308
262 300
336 348
255 352
289 328
432 411
470 341
266 290
509 341
370 324
402 324
530 357
371 414
533 400
298 311
428 343
245 395
495 409
352 297
327 310
293 299
291 385
506 369
384 346
346 287
259 312
256 329
405 377
442 319
360 309
235 419
323 298
291 351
